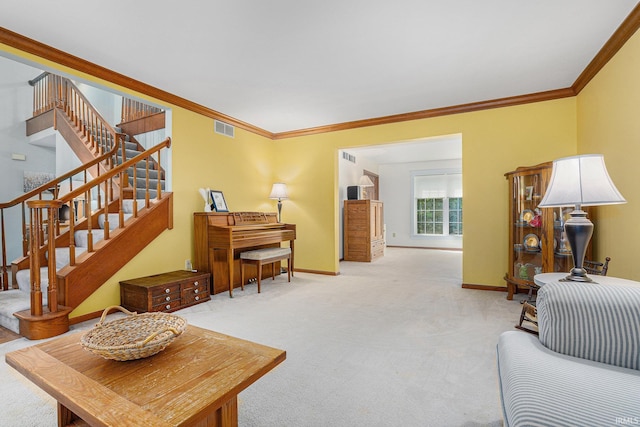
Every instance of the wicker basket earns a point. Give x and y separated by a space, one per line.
133 337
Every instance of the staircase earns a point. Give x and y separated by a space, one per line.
138 173
109 218
16 300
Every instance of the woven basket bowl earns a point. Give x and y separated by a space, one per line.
133 337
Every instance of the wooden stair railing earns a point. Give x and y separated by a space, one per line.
38 322
80 174
52 91
134 110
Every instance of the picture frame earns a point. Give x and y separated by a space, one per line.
219 203
529 192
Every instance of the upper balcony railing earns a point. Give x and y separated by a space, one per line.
134 110
50 90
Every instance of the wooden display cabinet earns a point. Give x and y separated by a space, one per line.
537 242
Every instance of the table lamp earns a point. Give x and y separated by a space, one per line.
580 181
365 181
279 192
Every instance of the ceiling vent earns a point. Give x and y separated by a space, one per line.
348 157
224 129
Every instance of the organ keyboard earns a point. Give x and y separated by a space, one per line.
220 237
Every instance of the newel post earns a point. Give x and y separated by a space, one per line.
36 236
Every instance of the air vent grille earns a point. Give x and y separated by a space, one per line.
348 157
224 129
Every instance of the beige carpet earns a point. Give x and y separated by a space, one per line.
396 342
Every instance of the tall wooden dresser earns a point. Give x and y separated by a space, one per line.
363 230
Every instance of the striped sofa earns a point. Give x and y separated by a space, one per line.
584 368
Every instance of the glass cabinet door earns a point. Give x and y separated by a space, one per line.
537 242
527 227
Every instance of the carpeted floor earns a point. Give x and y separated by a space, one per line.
396 342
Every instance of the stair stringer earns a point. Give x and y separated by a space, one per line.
76 283
77 141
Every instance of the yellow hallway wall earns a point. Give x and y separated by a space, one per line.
493 142
608 124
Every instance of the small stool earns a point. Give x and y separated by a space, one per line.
259 257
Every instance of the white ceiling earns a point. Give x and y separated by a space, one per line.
286 65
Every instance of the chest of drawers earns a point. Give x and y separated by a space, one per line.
165 292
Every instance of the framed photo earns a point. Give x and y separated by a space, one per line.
529 192
219 204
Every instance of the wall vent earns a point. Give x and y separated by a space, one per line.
224 129
349 157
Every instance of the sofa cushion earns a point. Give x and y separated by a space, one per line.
540 387
591 321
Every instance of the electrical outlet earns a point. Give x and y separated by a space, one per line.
394 234
187 265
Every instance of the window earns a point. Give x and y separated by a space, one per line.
437 203
455 216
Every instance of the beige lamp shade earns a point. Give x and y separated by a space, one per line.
581 181
279 191
365 181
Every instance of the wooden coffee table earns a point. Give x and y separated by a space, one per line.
194 381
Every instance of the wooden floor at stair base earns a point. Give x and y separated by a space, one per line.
6 335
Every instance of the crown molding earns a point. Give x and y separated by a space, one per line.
628 27
436 112
624 32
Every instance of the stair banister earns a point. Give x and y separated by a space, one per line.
51 207
101 181
38 193
117 170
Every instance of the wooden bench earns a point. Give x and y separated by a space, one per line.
260 257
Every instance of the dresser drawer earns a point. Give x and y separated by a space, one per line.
165 298
195 284
160 290
193 297
167 306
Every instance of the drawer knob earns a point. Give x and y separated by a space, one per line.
196 283
196 291
168 306
168 298
197 298
166 291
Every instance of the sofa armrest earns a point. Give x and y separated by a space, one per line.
539 387
591 321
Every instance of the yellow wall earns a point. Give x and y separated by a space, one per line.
494 142
239 167
608 110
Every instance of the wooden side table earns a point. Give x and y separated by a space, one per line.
165 292
193 382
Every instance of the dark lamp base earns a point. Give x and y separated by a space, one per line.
571 278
